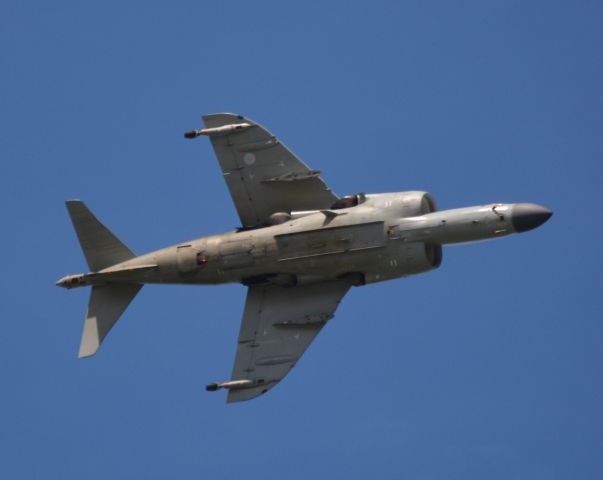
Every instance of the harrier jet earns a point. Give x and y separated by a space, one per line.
299 249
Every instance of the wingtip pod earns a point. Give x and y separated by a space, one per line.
240 390
218 131
231 384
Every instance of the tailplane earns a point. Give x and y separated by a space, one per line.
101 247
107 303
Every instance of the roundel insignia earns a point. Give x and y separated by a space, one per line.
249 158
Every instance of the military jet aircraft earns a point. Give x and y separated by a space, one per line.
299 249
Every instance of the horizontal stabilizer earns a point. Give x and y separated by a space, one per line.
107 303
101 247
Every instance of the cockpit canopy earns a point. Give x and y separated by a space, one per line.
349 201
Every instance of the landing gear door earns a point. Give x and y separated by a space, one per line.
187 259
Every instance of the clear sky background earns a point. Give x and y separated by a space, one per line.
490 367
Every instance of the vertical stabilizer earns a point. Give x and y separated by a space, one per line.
107 303
101 248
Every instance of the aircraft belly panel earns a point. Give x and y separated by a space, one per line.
187 258
328 241
236 253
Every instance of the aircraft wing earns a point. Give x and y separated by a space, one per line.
279 323
262 174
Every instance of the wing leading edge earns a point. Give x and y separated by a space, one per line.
278 325
263 175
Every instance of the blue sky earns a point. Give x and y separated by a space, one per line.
489 367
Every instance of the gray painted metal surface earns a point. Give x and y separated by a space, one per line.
299 250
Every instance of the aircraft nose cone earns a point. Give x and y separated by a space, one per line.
526 216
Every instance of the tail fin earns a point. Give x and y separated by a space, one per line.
107 303
101 248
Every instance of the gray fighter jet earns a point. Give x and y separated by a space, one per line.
299 249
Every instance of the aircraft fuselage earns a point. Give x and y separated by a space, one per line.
387 236
299 250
